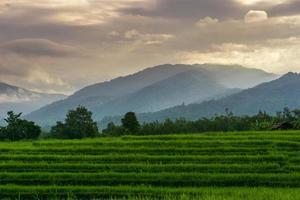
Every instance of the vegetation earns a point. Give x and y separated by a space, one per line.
262 121
78 124
19 129
232 165
130 123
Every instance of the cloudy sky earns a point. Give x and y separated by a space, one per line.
63 45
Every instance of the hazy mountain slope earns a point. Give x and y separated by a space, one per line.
226 93
185 87
22 100
131 83
98 94
237 76
270 97
110 97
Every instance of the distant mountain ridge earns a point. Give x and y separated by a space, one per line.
154 89
22 100
237 76
182 88
271 97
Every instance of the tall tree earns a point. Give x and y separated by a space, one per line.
18 129
130 122
78 124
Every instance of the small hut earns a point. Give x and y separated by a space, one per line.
283 126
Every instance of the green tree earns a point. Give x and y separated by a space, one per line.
18 129
58 131
78 124
12 118
113 130
130 123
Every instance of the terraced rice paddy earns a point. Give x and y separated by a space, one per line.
247 165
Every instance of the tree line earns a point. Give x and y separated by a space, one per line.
287 119
80 124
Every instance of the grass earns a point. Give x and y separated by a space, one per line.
147 193
208 166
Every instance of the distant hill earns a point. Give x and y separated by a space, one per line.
101 93
237 76
270 97
23 100
183 88
153 89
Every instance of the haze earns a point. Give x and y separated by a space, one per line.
59 46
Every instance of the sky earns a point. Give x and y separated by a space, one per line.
59 46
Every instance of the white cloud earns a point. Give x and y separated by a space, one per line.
47 3
252 2
292 20
206 22
4 98
256 16
147 38
132 34
277 56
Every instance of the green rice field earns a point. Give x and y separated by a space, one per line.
208 166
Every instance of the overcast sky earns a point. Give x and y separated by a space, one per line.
63 45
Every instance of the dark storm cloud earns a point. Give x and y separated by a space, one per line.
285 9
38 47
191 9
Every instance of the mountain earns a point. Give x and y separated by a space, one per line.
237 76
183 88
101 93
153 89
23 100
271 97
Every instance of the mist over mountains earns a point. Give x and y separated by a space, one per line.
271 97
23 100
155 89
